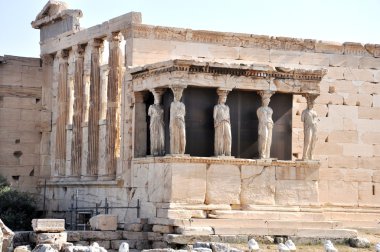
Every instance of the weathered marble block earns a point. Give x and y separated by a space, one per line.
104 222
48 225
52 238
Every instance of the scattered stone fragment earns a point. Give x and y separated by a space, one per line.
44 248
253 245
329 246
377 247
24 248
278 240
268 239
359 242
223 247
282 247
290 244
1 240
235 250
220 247
7 236
96 248
124 247
202 249
202 245
77 248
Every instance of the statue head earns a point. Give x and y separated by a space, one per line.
157 94
157 98
223 99
310 105
222 93
265 97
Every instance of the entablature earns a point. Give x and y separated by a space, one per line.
222 75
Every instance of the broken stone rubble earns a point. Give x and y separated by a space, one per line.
6 236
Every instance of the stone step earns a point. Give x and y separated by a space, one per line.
249 223
244 233
267 215
289 231
333 214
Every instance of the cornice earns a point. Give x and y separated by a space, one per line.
252 71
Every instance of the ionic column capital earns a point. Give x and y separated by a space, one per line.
95 43
47 59
79 50
63 56
114 37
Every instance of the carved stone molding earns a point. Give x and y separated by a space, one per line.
226 76
230 160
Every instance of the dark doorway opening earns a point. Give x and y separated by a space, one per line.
200 103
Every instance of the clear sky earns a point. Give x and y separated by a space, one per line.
329 20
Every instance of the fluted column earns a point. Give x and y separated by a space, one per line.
113 103
62 110
76 144
94 109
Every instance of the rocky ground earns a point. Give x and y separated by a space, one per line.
373 237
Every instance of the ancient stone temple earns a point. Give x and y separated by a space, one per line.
207 133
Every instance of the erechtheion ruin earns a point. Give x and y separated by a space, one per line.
194 132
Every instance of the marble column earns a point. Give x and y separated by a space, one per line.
264 114
177 125
113 103
46 116
62 114
76 144
222 125
94 108
310 120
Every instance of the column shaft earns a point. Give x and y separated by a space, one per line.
94 112
113 104
60 149
76 144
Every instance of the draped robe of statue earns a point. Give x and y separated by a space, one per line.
264 113
309 119
157 133
222 125
177 128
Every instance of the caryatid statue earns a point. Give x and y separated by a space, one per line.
177 122
157 132
222 125
309 119
264 114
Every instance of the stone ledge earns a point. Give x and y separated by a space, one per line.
235 161
59 182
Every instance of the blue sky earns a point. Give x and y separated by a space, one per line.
329 20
